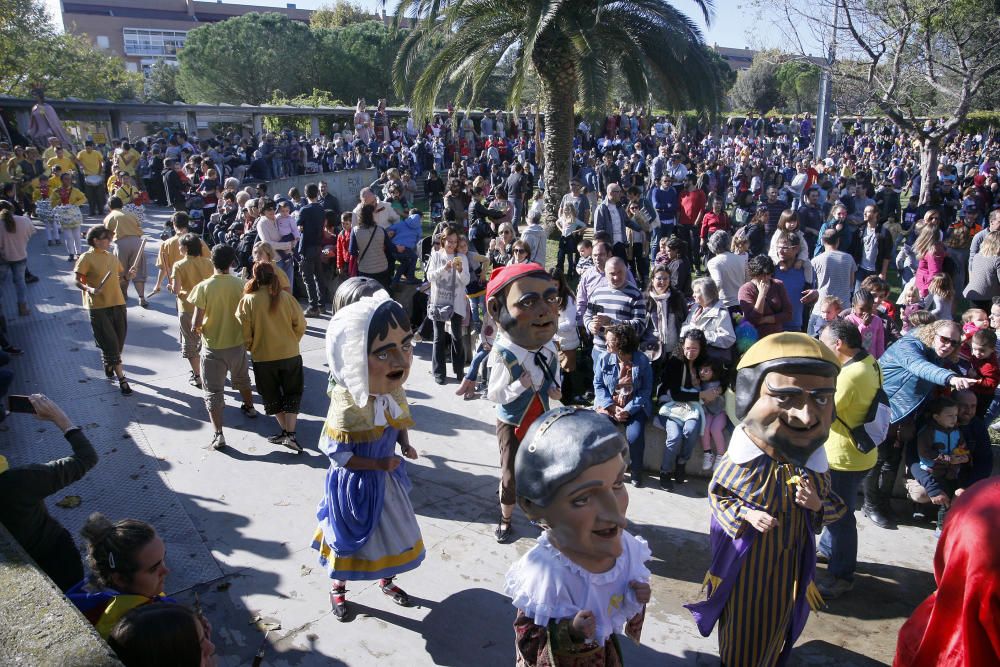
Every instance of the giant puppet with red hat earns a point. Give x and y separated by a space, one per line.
524 365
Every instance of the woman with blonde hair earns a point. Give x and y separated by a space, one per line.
984 273
788 223
263 252
273 325
930 254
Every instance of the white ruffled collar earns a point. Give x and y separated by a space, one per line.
743 450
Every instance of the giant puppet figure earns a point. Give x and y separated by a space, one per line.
770 495
586 580
524 301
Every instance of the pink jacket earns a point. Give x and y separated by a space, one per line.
930 265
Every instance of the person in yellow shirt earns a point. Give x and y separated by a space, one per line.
92 165
96 272
50 151
129 246
222 346
170 251
264 253
857 384
64 161
66 202
192 268
128 159
273 325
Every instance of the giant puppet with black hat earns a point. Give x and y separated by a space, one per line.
770 495
524 365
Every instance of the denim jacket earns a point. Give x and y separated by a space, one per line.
606 380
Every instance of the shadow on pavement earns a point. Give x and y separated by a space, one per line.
818 652
882 592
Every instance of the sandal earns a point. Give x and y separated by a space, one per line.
143 303
290 442
248 410
503 531
126 389
338 602
109 371
395 592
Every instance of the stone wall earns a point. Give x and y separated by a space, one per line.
344 185
39 627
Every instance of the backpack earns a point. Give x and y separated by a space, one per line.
874 429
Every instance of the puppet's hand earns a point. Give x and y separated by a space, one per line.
806 496
525 380
409 451
554 392
389 463
761 521
642 591
584 624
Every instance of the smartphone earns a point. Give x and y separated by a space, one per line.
595 308
17 403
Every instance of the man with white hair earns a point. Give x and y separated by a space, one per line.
385 215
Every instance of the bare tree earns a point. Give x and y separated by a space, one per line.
914 57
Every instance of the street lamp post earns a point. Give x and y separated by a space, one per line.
825 87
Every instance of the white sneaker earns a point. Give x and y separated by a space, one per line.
718 459
707 461
995 426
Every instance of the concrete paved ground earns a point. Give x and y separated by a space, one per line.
238 523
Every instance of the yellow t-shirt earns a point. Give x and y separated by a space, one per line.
128 161
54 183
93 265
122 224
218 297
189 272
271 335
127 193
49 153
65 163
91 162
282 277
170 253
76 198
856 387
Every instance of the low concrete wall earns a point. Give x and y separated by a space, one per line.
344 185
38 625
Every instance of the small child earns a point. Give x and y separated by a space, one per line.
347 264
940 296
973 320
871 327
662 255
827 310
939 443
476 289
470 386
405 236
710 372
986 368
883 307
586 261
920 317
910 300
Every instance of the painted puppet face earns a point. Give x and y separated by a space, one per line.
389 361
532 311
791 418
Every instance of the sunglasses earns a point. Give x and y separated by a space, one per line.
519 251
952 342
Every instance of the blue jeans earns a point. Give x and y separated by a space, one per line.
635 433
407 263
518 205
477 304
839 541
679 444
477 360
18 269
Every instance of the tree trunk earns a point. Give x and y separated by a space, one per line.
928 167
557 74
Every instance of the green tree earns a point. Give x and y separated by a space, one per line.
246 59
33 54
161 83
798 83
317 98
339 14
756 88
355 61
574 47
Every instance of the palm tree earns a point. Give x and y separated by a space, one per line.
574 46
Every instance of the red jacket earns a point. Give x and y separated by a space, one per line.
344 258
712 223
989 374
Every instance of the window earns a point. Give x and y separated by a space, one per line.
102 42
143 42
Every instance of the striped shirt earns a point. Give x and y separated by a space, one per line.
623 306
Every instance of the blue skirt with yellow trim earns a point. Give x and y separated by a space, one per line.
394 546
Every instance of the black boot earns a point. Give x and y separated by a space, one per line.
879 516
666 483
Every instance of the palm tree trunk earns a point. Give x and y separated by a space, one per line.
557 74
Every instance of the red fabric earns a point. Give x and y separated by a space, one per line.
534 411
958 623
712 223
505 275
692 204
989 375
931 264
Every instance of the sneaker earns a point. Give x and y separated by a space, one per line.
248 411
30 278
218 441
194 380
995 426
707 461
832 589
312 312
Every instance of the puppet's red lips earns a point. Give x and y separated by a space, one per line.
607 533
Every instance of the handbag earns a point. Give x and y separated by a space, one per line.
442 312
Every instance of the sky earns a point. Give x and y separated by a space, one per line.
733 26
